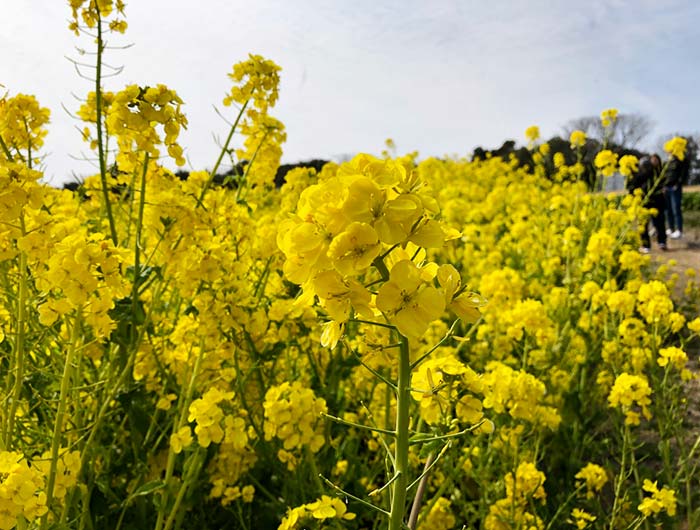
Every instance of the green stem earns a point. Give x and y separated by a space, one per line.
403 398
244 179
192 473
60 413
620 478
449 334
422 484
121 379
6 150
223 152
137 247
358 425
98 124
563 506
19 345
381 267
311 459
353 497
170 467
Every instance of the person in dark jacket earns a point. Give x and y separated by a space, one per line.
676 175
646 178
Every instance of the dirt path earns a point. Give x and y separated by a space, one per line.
685 251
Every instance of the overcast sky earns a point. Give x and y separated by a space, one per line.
438 76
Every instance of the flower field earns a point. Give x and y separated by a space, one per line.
387 343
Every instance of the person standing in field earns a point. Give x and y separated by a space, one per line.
656 199
676 174
644 179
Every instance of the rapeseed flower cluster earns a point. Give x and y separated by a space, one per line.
608 117
522 490
629 164
440 517
132 118
91 12
577 138
594 477
82 272
446 389
631 391
663 499
293 415
207 413
256 83
581 518
22 127
676 147
21 490
606 162
341 227
322 509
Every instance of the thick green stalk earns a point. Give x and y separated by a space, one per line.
61 412
98 124
403 398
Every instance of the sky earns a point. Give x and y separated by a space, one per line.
440 77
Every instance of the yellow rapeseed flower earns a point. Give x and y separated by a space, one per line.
606 162
663 499
608 117
577 138
594 477
629 391
408 301
676 147
532 133
628 165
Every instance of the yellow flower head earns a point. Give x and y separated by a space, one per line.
628 391
91 12
408 301
676 147
528 483
608 117
559 160
532 133
293 415
22 122
440 516
594 477
577 139
353 250
663 499
132 119
673 356
255 79
628 165
606 162
581 518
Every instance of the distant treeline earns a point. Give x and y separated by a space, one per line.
507 151
524 156
230 177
